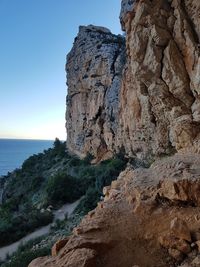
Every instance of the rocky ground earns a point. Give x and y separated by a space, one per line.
149 217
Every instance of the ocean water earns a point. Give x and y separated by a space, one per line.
13 152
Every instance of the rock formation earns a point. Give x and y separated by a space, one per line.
160 91
150 104
146 103
94 71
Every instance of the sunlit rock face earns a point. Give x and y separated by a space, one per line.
159 98
94 69
148 105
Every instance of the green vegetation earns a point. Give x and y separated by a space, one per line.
41 246
26 253
14 226
87 180
25 194
53 177
22 259
100 175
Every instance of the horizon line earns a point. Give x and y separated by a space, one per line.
33 139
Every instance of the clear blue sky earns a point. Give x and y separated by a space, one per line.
35 36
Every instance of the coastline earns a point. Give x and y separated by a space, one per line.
13 152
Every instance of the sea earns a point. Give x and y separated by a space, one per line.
13 152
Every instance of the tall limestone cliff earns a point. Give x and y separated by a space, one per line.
148 217
94 72
145 102
159 99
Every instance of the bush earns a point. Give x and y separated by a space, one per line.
62 188
22 259
59 147
108 171
95 178
28 221
74 161
89 201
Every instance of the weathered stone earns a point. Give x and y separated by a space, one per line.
148 106
58 246
82 257
126 8
196 262
157 90
180 229
171 242
198 245
38 262
94 69
176 254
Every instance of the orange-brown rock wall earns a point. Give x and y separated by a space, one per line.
159 110
149 105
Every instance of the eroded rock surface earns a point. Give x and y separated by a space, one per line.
149 217
150 108
159 109
94 70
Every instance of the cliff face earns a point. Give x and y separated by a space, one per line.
159 102
148 105
94 71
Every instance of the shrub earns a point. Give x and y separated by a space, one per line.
98 177
22 259
108 171
89 201
59 147
28 221
62 188
74 161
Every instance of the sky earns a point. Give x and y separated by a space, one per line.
35 36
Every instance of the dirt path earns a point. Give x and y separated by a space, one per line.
58 214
